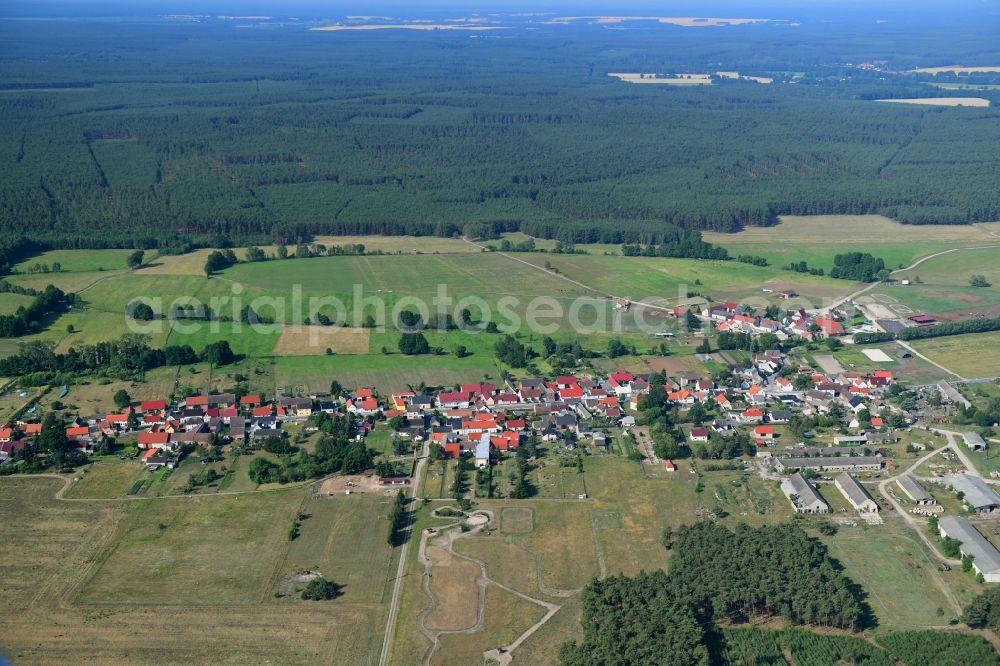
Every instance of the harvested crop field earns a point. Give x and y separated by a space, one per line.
679 80
940 101
315 340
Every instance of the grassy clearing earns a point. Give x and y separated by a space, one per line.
389 278
955 268
646 506
816 239
964 353
207 550
901 589
105 481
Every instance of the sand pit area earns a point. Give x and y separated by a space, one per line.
877 355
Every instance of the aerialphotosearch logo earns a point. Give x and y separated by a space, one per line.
318 319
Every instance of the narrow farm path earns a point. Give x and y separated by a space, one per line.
397 586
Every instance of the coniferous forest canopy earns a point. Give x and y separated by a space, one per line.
151 132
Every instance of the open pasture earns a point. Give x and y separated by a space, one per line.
205 550
816 239
50 546
955 268
386 280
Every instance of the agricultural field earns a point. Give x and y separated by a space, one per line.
940 101
816 239
668 281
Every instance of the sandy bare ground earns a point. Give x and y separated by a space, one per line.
356 483
958 69
941 101
409 26
315 340
684 21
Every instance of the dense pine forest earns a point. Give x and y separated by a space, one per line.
153 133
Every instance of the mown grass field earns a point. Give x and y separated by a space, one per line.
101 481
52 547
968 355
816 239
9 303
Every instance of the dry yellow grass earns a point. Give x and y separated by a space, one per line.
941 101
958 69
315 340
453 581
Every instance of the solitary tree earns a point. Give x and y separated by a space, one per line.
135 259
122 399
978 280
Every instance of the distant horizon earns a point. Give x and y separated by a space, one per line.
321 8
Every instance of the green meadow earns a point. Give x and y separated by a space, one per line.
816 239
